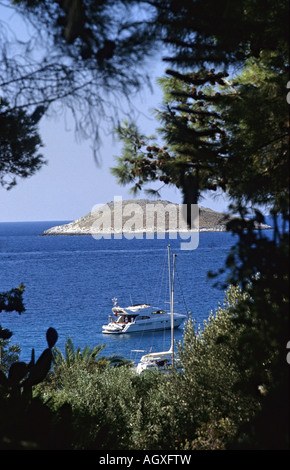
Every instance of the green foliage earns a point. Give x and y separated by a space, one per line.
192 131
235 369
264 345
88 357
72 356
203 32
12 300
19 144
212 404
9 353
212 351
103 403
257 125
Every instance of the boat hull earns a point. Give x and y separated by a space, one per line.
143 326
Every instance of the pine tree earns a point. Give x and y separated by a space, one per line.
191 156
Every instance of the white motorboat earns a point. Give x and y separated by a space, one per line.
162 360
140 318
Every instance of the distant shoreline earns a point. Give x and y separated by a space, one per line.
56 233
53 232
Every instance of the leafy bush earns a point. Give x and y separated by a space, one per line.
9 353
104 404
212 401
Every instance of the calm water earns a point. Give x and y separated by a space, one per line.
71 280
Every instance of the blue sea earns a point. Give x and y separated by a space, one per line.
71 281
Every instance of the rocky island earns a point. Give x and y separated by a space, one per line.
131 216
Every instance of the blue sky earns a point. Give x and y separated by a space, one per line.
71 183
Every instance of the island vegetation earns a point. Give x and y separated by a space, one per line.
224 126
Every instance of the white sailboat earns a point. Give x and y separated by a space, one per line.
161 360
142 317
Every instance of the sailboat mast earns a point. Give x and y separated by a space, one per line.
172 316
171 290
169 274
